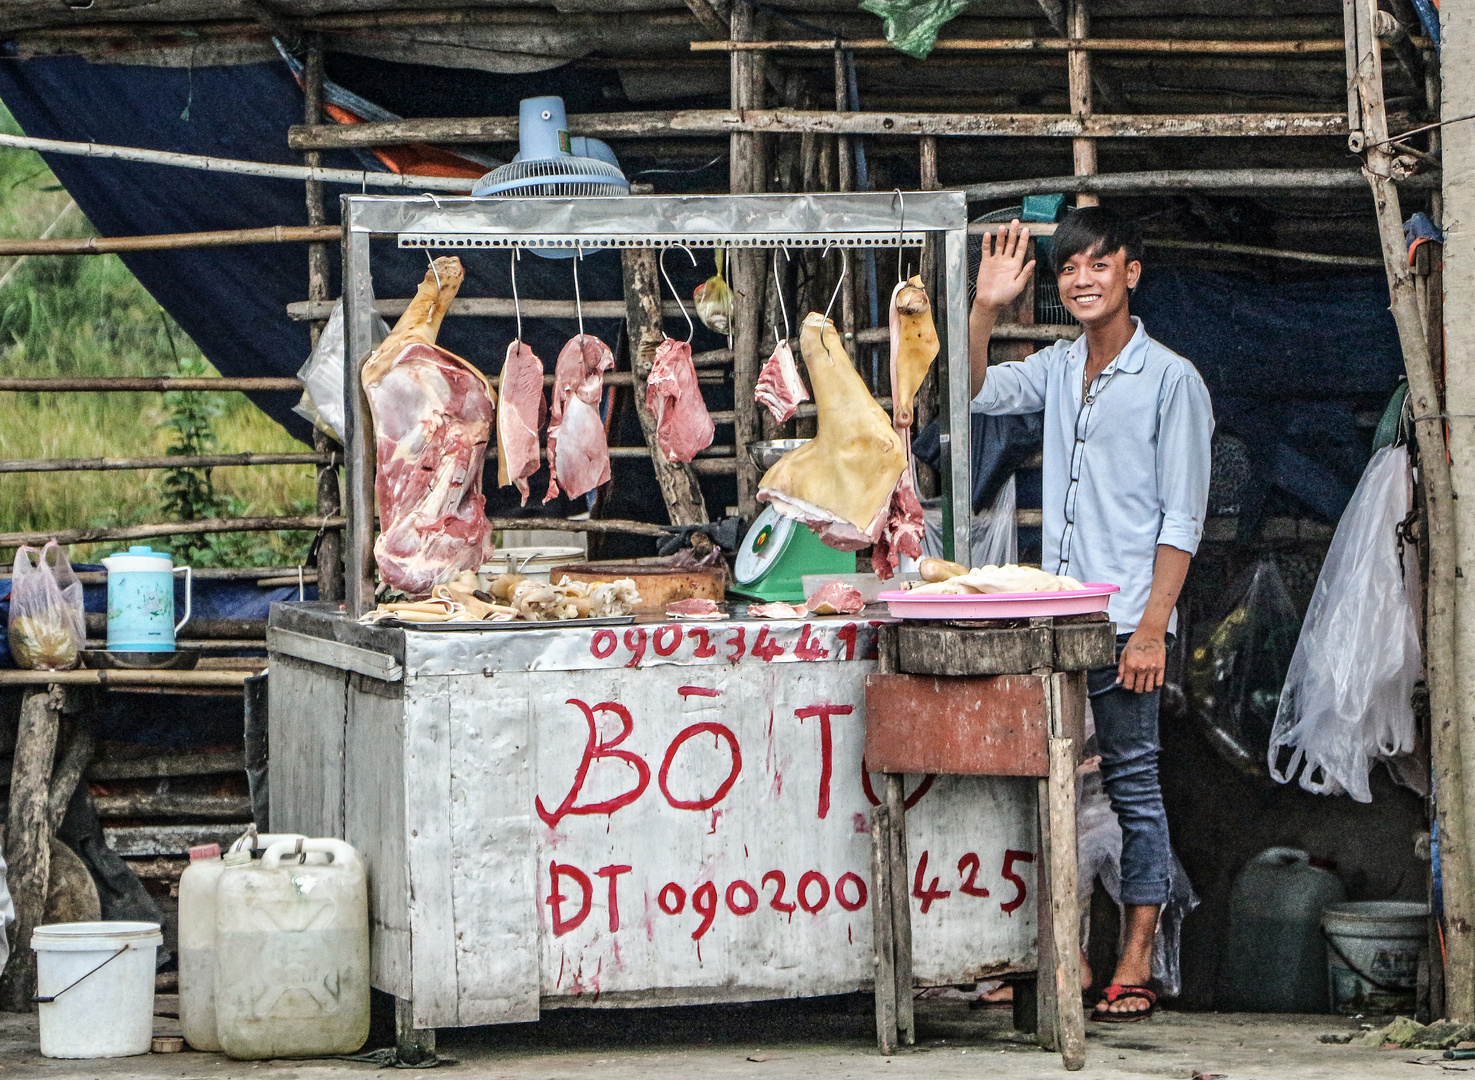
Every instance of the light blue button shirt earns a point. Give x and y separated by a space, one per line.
1126 469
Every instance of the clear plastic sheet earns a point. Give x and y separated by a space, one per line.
322 375
1346 702
1235 677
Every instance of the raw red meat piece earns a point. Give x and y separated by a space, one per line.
521 415
776 610
432 416
578 451
683 426
835 598
904 529
779 386
694 608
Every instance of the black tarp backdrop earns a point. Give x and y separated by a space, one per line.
1287 363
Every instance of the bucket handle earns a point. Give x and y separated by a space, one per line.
1364 976
337 850
46 999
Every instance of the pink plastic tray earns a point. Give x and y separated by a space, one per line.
1093 597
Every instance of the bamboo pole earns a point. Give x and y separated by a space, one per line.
329 559
490 307
145 385
596 525
747 174
1078 72
704 122
200 679
182 461
1304 47
108 245
1184 180
1452 745
176 528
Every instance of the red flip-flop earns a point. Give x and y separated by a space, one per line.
1116 992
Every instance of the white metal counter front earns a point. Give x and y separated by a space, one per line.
659 813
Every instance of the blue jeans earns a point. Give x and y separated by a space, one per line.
1127 738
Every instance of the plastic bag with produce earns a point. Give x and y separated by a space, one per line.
46 624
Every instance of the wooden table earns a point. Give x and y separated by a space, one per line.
1000 698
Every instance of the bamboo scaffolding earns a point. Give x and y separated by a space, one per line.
1310 47
176 528
181 461
145 385
695 122
488 307
1132 183
107 245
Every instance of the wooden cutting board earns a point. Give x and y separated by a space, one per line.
659 583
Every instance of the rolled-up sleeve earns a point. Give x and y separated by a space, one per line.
1185 431
1016 387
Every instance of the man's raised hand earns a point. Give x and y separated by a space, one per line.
1002 272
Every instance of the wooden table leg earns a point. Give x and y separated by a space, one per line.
414 1046
1045 983
1059 805
901 907
881 930
28 839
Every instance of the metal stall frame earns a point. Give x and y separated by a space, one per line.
864 220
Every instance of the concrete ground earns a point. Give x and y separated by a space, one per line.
829 1039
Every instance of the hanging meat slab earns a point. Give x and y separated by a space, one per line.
779 386
840 482
578 449
520 415
432 415
914 346
683 426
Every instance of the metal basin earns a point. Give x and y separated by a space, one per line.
178 660
766 454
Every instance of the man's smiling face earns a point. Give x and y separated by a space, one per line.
1094 287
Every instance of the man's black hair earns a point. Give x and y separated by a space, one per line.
1094 230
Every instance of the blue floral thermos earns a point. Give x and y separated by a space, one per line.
141 600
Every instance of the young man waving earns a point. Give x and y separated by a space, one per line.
1126 484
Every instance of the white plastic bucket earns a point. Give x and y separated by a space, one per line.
1373 950
99 979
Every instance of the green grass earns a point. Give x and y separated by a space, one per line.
88 316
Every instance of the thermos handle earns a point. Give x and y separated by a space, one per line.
339 851
188 588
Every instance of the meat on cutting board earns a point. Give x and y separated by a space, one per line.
520 415
839 483
578 449
432 415
835 598
779 386
683 426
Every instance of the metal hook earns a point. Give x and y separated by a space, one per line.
778 287
844 269
901 227
433 270
516 304
691 327
579 300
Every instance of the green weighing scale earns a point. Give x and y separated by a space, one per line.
778 551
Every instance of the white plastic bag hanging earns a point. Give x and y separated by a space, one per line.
1346 701
46 624
322 374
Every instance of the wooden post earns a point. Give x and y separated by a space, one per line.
901 907
413 1046
1450 621
28 839
678 482
1078 69
1070 1022
330 500
747 174
882 902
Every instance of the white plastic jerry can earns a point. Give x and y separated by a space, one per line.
197 887
292 952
